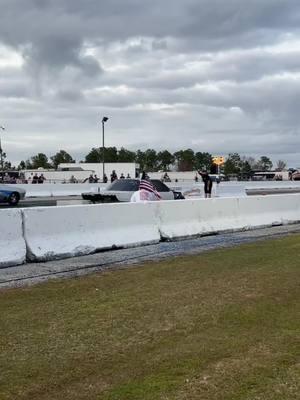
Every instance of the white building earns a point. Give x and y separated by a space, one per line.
57 176
121 168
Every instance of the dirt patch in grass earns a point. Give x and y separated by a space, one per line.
221 325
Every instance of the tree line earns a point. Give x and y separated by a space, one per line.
152 160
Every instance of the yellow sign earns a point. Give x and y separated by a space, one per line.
218 160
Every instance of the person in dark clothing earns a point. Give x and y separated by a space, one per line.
96 179
207 183
41 179
91 179
145 176
113 176
35 178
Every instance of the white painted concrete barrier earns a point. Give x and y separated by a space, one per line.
59 189
59 232
224 189
12 243
203 216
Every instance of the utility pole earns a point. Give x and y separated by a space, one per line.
1 156
104 119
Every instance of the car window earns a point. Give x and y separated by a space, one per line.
160 186
125 185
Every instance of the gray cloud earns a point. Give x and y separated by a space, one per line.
217 75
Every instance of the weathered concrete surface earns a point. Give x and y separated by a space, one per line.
12 243
39 272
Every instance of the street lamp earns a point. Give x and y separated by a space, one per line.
1 154
104 119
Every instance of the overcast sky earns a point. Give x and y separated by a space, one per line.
213 75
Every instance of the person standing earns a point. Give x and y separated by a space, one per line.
208 183
146 192
113 176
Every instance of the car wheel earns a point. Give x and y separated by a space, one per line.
14 198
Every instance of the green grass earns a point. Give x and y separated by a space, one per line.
223 325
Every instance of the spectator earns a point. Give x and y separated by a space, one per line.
122 176
145 175
35 178
73 179
113 176
96 179
166 178
105 179
128 176
41 178
91 179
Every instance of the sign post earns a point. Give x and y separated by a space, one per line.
218 160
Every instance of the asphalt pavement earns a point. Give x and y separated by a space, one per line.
33 273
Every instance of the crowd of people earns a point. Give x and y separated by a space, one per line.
36 178
114 176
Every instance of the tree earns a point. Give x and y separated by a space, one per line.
246 168
232 165
185 160
22 165
126 155
164 160
110 154
265 164
96 155
203 161
61 157
141 159
147 160
281 165
40 161
150 160
2 158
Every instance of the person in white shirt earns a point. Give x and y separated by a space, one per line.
146 192
141 196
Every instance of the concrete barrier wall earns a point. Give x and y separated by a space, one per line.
59 189
203 216
269 210
224 189
12 243
59 232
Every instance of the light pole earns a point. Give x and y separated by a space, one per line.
1 154
104 119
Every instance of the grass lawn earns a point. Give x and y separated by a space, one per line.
223 325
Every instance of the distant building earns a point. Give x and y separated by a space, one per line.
126 168
57 176
271 176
